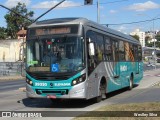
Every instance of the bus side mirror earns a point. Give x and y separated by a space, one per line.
91 49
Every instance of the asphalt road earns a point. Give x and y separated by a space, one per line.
11 85
145 67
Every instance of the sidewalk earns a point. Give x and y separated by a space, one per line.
7 78
150 78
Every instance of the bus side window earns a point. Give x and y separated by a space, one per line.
136 52
127 49
99 48
131 53
115 50
121 51
139 53
108 55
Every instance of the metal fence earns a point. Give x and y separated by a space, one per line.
12 68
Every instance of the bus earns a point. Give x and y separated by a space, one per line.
75 58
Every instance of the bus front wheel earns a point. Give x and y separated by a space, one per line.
98 98
102 94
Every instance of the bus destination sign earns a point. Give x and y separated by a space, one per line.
45 31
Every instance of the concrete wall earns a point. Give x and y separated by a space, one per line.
10 50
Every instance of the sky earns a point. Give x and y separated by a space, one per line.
111 12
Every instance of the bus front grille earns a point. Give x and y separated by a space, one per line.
51 76
45 91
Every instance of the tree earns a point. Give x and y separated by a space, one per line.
157 37
147 41
3 33
16 22
136 37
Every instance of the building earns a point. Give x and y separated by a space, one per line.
158 32
10 50
21 35
141 36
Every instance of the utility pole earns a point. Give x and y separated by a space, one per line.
154 45
98 12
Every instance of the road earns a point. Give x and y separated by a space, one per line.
11 85
13 99
145 67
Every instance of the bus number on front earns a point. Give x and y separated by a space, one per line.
40 84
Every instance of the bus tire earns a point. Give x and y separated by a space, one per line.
131 82
101 92
98 99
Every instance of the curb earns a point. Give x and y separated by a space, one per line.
155 84
152 70
12 78
23 89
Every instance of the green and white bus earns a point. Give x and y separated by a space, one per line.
75 58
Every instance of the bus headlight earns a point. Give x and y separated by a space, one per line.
74 82
79 80
29 81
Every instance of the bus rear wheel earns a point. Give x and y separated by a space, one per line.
131 83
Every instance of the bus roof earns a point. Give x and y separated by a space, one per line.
84 21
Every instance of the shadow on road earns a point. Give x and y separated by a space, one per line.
117 92
47 103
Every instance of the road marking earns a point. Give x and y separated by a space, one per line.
148 75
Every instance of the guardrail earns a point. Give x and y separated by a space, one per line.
12 68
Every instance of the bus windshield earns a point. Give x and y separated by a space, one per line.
55 54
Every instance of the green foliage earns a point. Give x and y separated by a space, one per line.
3 33
157 37
158 41
147 39
151 44
16 22
136 37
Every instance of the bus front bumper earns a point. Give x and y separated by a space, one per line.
77 92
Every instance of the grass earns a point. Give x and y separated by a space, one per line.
149 106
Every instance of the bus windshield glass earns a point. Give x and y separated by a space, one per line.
55 54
